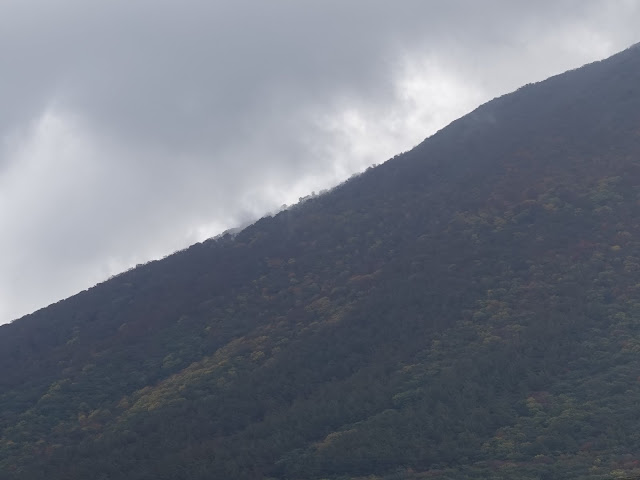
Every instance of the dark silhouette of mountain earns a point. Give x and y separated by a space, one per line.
468 309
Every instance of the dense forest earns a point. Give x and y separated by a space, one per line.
469 309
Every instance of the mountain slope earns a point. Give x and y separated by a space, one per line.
468 309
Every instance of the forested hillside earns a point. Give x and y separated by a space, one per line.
468 309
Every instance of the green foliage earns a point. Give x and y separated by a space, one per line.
470 309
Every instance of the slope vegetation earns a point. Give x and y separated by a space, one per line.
469 309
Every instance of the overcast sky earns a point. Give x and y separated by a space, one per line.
130 129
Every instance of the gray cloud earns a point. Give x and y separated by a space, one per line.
131 129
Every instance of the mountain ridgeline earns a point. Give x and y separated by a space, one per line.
469 309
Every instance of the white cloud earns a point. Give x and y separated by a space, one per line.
131 129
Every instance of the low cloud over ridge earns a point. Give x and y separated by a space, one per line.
131 129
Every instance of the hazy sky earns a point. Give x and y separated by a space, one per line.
130 129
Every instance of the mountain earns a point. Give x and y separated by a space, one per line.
468 309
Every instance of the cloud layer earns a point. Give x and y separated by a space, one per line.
129 129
